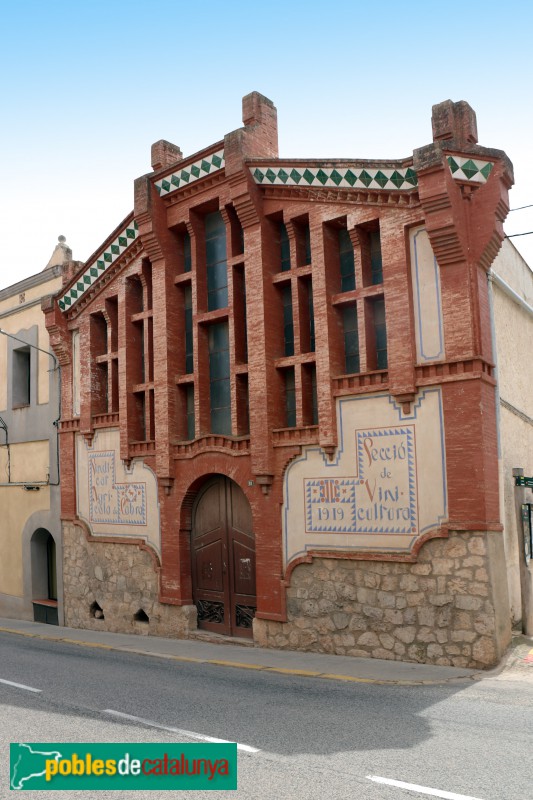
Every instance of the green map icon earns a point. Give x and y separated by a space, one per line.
28 763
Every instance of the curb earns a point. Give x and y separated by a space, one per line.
300 673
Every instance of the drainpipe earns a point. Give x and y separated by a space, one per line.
510 292
4 428
491 277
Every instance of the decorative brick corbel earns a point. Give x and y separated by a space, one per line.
442 202
167 483
88 436
246 208
265 482
57 330
405 400
144 193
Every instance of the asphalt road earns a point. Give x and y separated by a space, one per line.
306 737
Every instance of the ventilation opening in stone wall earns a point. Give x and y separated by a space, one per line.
141 616
96 611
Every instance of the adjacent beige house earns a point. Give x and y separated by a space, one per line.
511 281
30 530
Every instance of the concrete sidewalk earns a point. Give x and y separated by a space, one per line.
319 665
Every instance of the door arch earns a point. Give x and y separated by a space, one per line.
223 559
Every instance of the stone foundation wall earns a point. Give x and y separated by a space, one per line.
449 608
121 578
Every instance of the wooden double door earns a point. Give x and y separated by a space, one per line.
223 559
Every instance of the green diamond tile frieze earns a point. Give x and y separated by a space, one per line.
469 169
465 169
190 173
338 176
99 264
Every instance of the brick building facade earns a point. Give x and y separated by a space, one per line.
279 404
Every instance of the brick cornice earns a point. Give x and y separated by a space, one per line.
246 198
449 203
332 195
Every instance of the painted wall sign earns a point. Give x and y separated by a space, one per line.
387 480
382 498
111 502
386 486
330 505
113 498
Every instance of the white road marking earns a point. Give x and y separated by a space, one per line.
20 686
191 734
413 787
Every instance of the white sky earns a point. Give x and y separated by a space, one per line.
86 89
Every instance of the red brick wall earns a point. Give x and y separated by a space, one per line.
463 223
